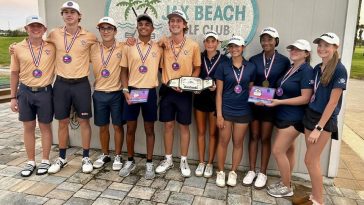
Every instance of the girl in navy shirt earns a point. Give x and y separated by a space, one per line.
293 92
270 66
233 81
320 120
205 104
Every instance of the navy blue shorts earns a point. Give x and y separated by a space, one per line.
108 104
262 113
311 118
245 119
205 101
149 108
72 92
175 106
282 124
35 103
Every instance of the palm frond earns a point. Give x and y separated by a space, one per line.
122 3
154 11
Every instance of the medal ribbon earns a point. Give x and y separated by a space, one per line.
174 51
317 83
267 71
144 58
68 48
36 60
104 63
240 75
212 67
289 73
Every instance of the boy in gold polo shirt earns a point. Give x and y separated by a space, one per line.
32 68
107 97
72 87
139 65
182 58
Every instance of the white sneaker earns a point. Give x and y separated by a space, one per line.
249 178
208 171
185 169
261 181
232 178
164 166
101 160
200 169
87 165
57 165
149 170
117 165
127 169
220 178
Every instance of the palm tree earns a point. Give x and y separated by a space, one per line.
149 4
129 5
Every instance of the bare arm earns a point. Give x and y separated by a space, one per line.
220 118
14 81
303 99
196 71
124 82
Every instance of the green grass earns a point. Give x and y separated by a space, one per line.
357 65
4 45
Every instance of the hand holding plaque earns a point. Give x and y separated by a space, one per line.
191 83
261 95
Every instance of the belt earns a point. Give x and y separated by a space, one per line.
35 89
72 80
116 91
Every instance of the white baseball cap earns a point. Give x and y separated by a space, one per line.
329 37
211 34
178 13
301 44
107 20
270 31
237 40
34 19
71 5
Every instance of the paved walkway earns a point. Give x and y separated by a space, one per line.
104 186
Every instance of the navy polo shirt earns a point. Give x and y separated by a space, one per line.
301 79
204 58
280 66
234 104
322 96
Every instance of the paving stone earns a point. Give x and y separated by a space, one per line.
22 186
144 202
180 199
284 201
131 179
262 196
69 186
60 194
141 192
327 200
8 197
80 178
174 174
259 203
40 189
10 171
109 175
130 201
87 194
337 200
235 199
106 201
144 182
361 194
161 196
332 190
8 182
54 202
30 199
68 171
349 193
239 189
113 194
53 179
174 186
215 192
199 200
360 202
192 190
121 186
198 182
78 201
159 183
97 185
17 161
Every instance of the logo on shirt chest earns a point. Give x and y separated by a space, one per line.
118 55
186 52
83 42
154 54
47 51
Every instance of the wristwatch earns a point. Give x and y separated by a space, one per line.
317 127
125 90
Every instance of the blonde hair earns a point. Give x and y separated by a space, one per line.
329 69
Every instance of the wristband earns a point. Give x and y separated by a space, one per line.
125 90
317 127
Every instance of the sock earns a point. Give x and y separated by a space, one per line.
183 158
45 161
62 153
149 161
169 157
31 163
130 158
85 152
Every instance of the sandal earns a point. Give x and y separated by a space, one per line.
27 171
42 169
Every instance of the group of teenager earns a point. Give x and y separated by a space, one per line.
307 100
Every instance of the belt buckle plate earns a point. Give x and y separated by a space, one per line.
34 89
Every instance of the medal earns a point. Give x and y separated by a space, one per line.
67 58
143 69
37 73
279 91
289 73
267 69
105 72
315 86
238 88
175 65
208 71
312 98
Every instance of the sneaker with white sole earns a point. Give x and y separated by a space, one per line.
128 167
149 170
249 178
87 166
220 179
117 165
164 166
57 165
261 181
274 185
232 178
200 169
280 191
101 160
185 169
208 171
